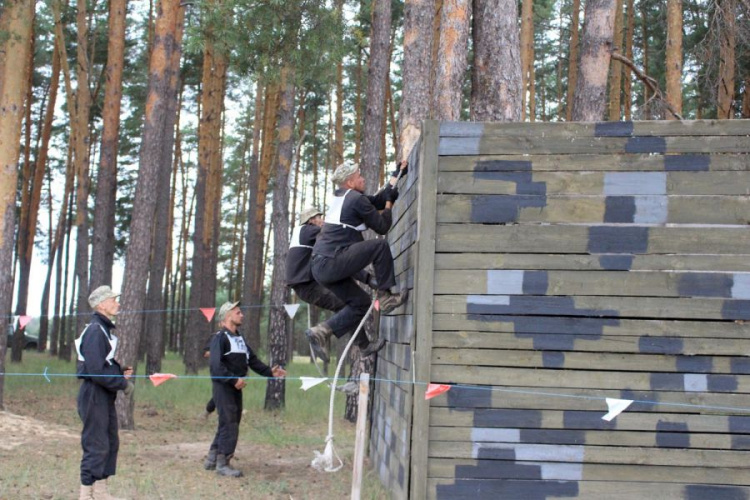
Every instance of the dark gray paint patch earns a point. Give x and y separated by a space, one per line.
401 475
667 382
672 435
637 396
498 209
691 163
493 489
556 342
708 492
722 383
490 469
619 209
468 397
616 262
535 282
660 345
695 364
613 239
544 305
576 419
553 436
705 285
524 181
740 366
739 424
736 309
502 166
646 145
513 419
613 129
552 359
543 324
740 442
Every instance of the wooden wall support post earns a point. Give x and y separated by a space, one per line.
360 442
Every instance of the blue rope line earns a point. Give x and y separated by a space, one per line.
46 375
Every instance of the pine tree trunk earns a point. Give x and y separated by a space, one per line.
646 57
415 100
497 84
615 81
627 85
278 322
155 135
746 99
103 234
589 102
527 51
19 15
674 56
338 150
573 58
451 62
727 58
377 76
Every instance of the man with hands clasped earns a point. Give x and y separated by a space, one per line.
229 361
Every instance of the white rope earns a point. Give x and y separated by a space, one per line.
324 461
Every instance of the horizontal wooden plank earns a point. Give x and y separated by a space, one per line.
492 489
537 144
589 209
587 306
581 283
589 379
628 420
594 162
705 346
734 263
465 468
594 239
595 360
469 398
585 327
594 183
592 129
665 438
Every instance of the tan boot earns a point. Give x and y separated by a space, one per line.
318 337
87 493
102 493
389 301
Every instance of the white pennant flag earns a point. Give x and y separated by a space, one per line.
291 309
308 382
616 406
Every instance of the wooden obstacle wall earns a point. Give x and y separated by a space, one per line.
554 265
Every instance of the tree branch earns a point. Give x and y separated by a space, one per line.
652 84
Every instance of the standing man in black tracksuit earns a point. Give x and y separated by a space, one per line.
229 360
340 252
101 377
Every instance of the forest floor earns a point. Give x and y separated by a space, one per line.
40 448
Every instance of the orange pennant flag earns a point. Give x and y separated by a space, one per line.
23 321
208 312
159 378
436 390
377 305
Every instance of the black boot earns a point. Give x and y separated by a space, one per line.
210 462
318 337
224 469
389 301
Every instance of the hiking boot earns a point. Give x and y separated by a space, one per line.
100 491
372 348
318 337
210 462
224 469
389 301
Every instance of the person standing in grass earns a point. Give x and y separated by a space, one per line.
229 360
101 377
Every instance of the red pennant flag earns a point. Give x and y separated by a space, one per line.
159 378
23 321
436 390
208 312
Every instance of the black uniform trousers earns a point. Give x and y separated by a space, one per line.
99 440
229 406
336 272
316 294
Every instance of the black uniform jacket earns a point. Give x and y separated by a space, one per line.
231 357
95 347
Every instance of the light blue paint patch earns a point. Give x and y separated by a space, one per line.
547 452
651 209
634 183
488 300
495 435
452 146
741 286
695 382
562 472
505 282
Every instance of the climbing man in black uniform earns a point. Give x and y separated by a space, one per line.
229 360
101 377
340 252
